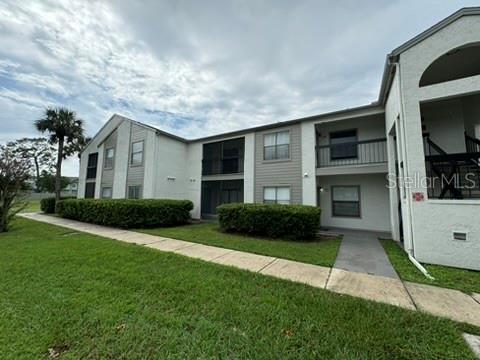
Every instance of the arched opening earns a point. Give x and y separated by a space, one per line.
458 63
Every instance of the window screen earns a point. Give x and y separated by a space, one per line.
106 192
276 146
346 201
343 145
137 153
89 190
276 195
135 192
109 156
92 166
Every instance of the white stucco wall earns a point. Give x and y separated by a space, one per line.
121 161
98 179
170 176
432 221
93 147
194 177
471 113
374 202
150 163
444 122
309 191
368 128
392 114
249 169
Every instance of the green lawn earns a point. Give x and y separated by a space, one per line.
465 280
320 252
32 206
97 298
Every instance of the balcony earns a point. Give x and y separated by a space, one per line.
223 157
366 152
222 166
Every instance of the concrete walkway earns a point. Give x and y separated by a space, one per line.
448 303
362 252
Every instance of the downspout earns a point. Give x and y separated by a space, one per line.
410 251
419 266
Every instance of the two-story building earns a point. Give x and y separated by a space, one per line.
407 163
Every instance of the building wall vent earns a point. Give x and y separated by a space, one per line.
460 235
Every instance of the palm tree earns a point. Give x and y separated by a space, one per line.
66 130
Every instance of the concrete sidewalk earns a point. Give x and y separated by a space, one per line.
438 301
362 252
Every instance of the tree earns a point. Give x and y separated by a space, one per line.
14 175
39 152
65 130
46 182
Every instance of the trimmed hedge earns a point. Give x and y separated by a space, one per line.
47 205
298 222
131 213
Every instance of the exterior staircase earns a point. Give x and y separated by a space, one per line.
453 176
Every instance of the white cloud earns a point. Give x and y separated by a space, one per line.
197 68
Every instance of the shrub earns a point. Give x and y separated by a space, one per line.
131 213
47 205
292 221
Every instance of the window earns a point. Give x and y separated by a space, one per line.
109 156
276 146
92 166
343 145
137 153
134 192
276 195
107 192
346 201
89 190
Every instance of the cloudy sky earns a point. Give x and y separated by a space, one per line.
196 68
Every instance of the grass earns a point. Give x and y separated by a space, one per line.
448 277
91 298
322 252
32 206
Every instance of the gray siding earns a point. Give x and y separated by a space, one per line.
135 174
279 172
108 174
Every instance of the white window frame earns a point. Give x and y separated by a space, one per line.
276 145
132 153
276 200
139 191
358 201
102 193
105 162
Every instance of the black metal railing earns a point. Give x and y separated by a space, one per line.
352 153
472 144
222 166
453 176
431 148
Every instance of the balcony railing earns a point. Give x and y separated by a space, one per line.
352 153
453 176
222 166
472 144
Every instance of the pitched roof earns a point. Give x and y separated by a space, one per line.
388 71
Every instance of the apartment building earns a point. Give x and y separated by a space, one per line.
423 129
